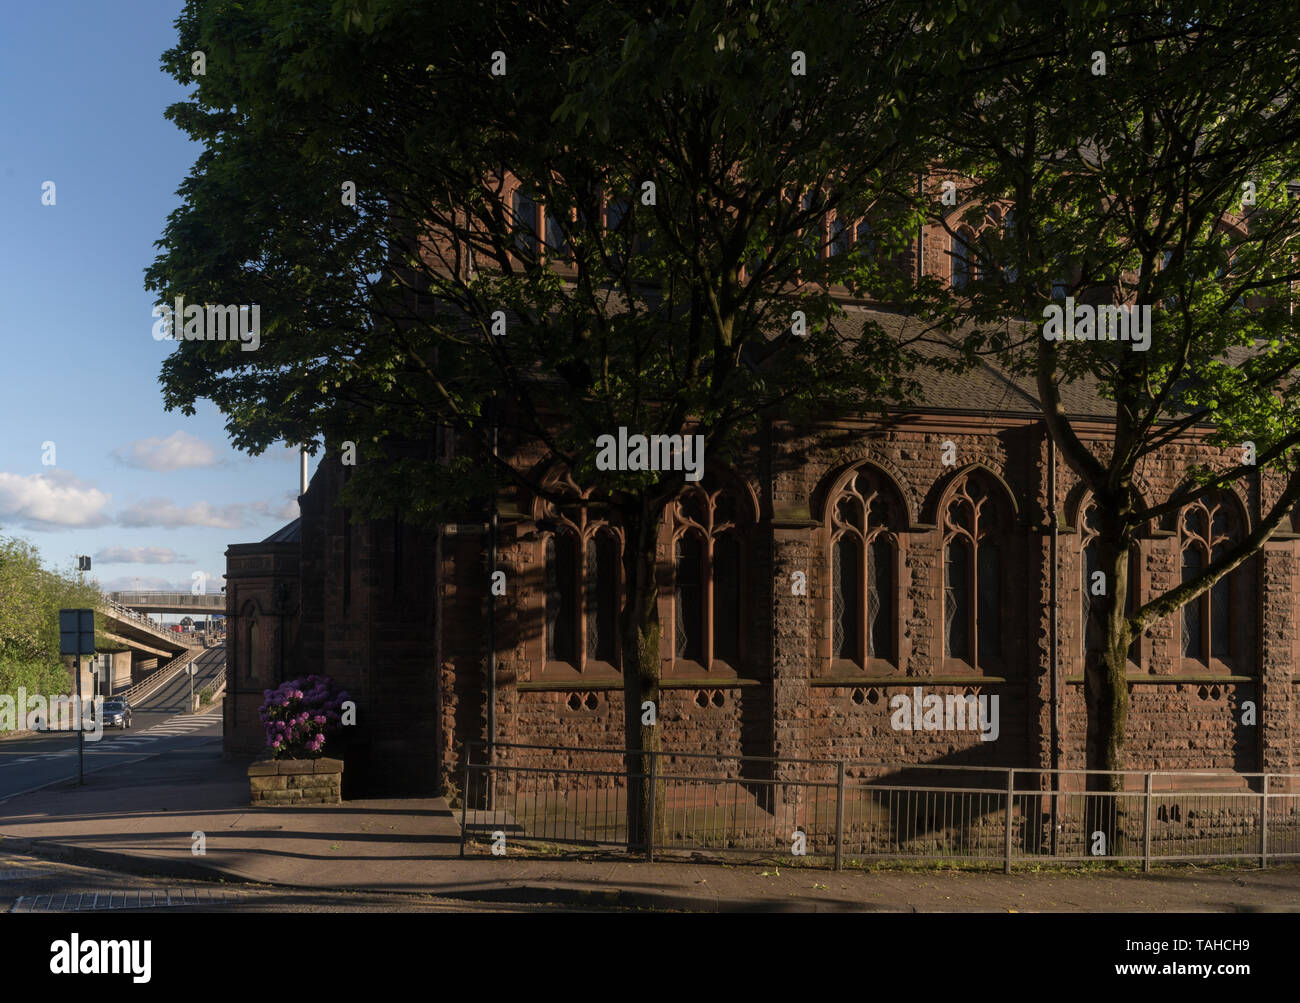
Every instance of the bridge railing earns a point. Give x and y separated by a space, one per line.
142 621
208 601
156 679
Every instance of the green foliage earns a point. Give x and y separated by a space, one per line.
30 599
45 678
1164 182
677 319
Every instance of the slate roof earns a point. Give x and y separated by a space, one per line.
985 389
292 533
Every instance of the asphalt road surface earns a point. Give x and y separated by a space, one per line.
160 725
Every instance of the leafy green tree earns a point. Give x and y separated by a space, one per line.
30 599
690 156
1148 154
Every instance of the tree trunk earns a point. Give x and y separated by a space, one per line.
1106 686
641 634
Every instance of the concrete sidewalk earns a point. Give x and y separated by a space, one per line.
146 820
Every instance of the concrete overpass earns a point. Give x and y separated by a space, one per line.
171 602
150 644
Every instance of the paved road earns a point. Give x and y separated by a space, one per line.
173 697
159 726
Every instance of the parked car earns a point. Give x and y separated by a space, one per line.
117 713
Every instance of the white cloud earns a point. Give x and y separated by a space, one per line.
168 515
138 555
51 501
142 583
177 451
285 511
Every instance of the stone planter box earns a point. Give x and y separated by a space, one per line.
295 781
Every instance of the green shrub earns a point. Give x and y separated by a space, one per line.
46 678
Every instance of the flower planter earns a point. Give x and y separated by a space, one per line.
295 781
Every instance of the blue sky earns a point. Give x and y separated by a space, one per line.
151 495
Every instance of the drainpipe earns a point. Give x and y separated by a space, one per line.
1053 631
492 625
437 636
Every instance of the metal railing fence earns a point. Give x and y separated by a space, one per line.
860 810
210 689
161 676
141 621
207 601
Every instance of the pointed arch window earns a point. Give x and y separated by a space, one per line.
963 259
601 597
526 226
711 525
1214 624
561 597
839 242
975 536
1091 605
865 520
581 590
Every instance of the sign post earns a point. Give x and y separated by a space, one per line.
77 638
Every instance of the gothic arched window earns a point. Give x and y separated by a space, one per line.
865 516
963 258
525 223
839 242
581 588
975 528
709 576
562 597
1213 622
601 597
1094 590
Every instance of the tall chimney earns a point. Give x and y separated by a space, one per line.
302 472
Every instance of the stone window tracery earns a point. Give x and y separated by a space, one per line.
710 526
865 518
581 587
975 526
1092 631
1212 622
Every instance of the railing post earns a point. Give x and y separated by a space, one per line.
1146 829
1011 797
1263 825
839 816
654 796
